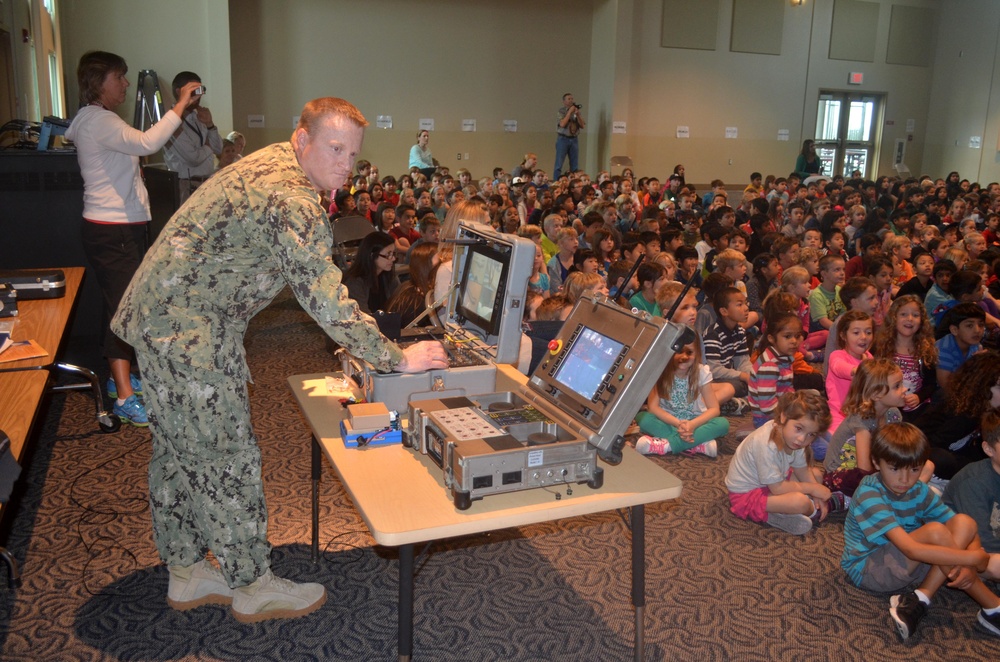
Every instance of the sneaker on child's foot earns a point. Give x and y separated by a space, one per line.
795 524
709 448
131 411
112 388
990 621
906 610
197 585
735 407
273 597
652 445
839 502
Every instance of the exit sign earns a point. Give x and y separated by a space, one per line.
855 78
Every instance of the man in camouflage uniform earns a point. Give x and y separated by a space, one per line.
247 232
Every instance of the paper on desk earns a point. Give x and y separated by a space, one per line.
18 351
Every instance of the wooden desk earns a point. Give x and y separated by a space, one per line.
401 496
20 394
44 321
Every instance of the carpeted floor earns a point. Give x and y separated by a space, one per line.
717 588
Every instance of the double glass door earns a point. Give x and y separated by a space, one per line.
846 133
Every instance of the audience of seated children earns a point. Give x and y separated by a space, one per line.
410 299
580 283
965 287
824 301
687 266
726 349
922 281
796 281
874 399
898 532
907 339
561 264
854 338
539 279
618 289
807 375
879 271
834 240
682 412
943 272
975 491
707 316
650 276
584 260
762 281
857 293
769 480
952 424
870 246
809 259
771 374
959 336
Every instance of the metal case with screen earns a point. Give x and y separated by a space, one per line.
576 406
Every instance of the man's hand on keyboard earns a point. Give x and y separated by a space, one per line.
421 356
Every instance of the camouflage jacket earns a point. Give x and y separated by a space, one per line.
242 236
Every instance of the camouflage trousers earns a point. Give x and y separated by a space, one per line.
205 488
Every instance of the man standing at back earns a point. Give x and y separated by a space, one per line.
568 128
192 149
242 237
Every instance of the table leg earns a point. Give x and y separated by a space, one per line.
639 578
317 470
405 625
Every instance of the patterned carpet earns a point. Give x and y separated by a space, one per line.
717 588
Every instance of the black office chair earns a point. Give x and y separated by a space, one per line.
348 231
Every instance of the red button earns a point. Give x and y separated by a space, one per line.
555 346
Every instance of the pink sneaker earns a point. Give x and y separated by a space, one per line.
652 446
709 449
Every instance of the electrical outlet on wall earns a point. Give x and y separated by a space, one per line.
459 157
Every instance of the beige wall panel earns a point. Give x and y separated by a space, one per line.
911 35
689 24
757 26
855 26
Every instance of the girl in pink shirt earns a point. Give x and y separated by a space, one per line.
855 332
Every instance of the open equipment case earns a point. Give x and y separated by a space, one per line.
575 407
485 303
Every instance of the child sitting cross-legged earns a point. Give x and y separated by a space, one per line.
683 412
975 491
873 400
898 532
769 480
726 350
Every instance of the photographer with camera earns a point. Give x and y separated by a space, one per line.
191 150
567 144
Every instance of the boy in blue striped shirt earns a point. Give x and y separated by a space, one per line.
899 533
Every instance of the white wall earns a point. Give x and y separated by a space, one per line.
470 59
167 37
965 92
447 60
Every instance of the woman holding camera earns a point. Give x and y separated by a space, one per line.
115 202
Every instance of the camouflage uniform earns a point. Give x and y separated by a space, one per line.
246 233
